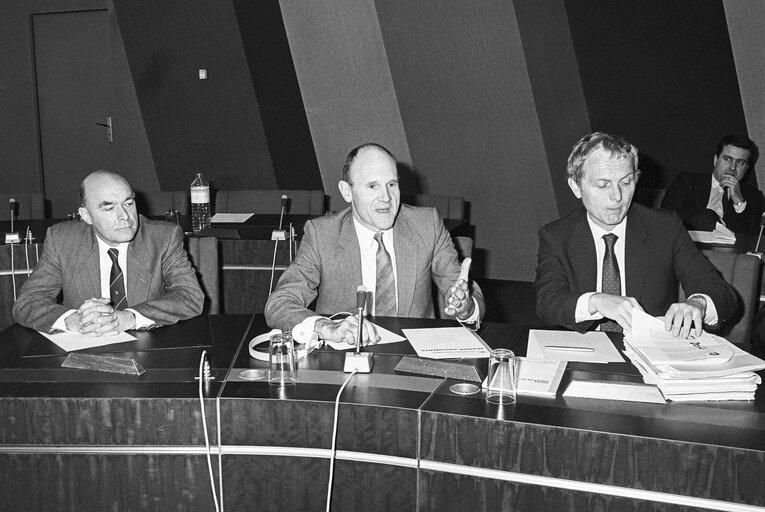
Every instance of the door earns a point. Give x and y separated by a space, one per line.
74 92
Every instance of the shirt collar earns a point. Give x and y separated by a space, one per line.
715 183
597 232
103 247
366 236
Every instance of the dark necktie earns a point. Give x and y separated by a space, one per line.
385 287
612 282
116 282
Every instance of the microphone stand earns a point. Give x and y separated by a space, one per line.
276 235
361 362
759 237
13 236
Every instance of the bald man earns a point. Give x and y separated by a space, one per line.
158 284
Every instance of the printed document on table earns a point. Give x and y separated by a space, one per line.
231 217
588 347
447 343
70 341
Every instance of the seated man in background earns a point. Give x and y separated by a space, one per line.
116 271
394 250
702 200
599 262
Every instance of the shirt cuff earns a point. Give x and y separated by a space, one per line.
303 332
475 318
60 324
710 315
141 322
740 207
582 312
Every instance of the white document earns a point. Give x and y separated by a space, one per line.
447 343
589 347
607 390
539 378
231 217
386 336
70 341
721 235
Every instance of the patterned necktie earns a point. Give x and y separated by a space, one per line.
612 282
116 282
385 288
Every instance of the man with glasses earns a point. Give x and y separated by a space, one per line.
702 200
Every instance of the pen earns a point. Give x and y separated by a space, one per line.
563 348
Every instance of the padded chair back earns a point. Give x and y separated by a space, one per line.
650 197
28 206
203 253
742 271
301 202
449 207
156 203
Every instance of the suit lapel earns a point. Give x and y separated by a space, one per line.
138 272
348 257
87 269
406 249
583 255
637 254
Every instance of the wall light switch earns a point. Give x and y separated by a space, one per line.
203 73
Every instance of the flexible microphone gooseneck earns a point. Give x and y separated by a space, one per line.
361 300
276 236
759 237
358 361
12 205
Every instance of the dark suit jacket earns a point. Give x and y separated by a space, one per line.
327 268
161 283
658 254
689 194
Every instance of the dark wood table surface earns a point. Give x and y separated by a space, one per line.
83 440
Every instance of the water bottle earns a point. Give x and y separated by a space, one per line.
200 204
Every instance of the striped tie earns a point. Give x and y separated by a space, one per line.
385 289
116 282
612 281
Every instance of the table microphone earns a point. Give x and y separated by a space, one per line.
12 237
276 235
361 362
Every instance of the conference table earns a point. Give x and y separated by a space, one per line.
75 439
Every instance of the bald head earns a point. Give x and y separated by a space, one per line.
108 204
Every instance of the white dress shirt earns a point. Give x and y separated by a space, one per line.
716 194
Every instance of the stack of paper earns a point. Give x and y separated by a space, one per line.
720 235
704 368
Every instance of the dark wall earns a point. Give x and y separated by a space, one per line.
273 76
211 126
662 75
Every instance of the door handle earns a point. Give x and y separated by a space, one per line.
108 126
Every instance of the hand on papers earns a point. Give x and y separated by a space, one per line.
684 319
345 331
614 307
96 317
458 301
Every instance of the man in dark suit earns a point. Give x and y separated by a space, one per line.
702 200
146 281
340 251
599 262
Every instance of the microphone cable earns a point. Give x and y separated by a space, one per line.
334 440
202 374
13 272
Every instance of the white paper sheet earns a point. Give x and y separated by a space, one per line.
590 347
70 341
386 336
720 235
231 217
447 343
